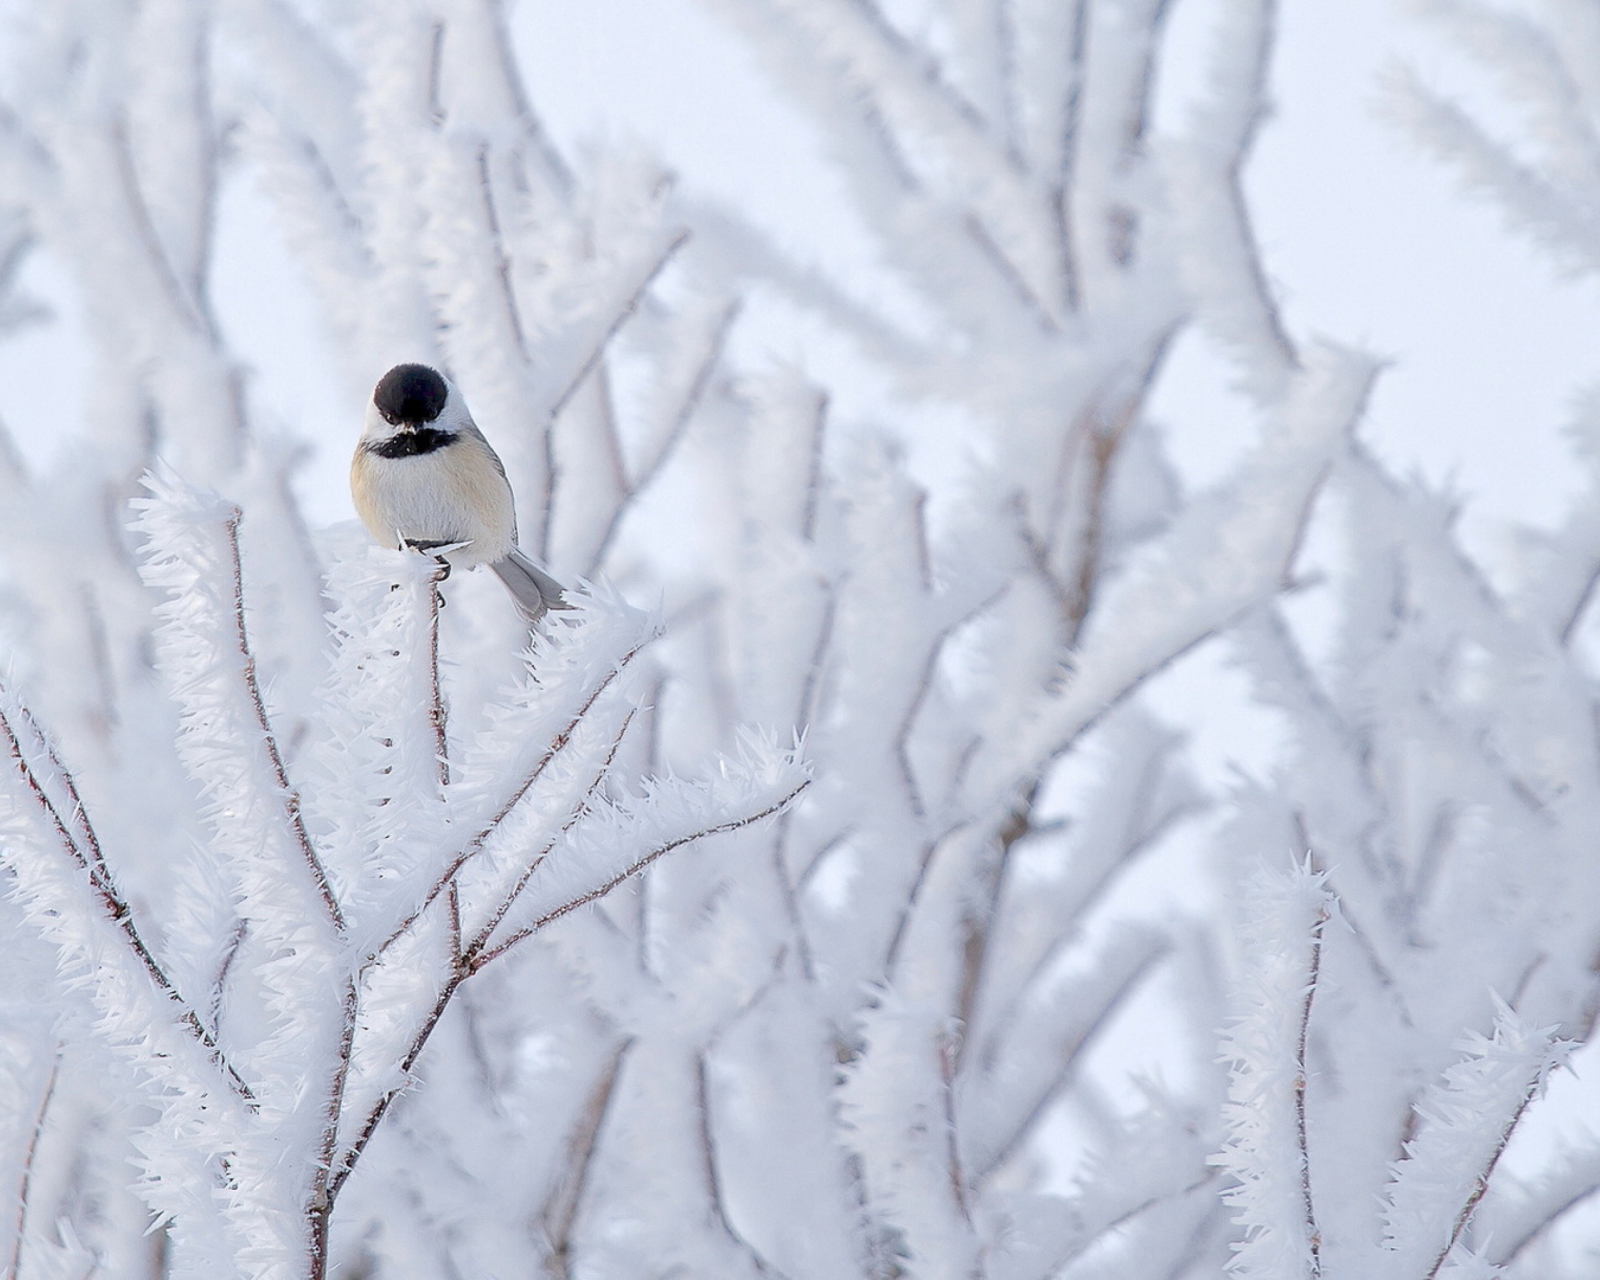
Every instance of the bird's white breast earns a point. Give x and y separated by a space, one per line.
456 493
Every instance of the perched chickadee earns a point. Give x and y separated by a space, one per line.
424 477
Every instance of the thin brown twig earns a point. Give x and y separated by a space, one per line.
1072 1054
1307 1204
502 258
948 1048
579 809
15 1270
436 708
560 1213
1480 1184
291 797
1506 1257
711 1177
902 925
456 951
722 828
694 394
462 971
80 815
319 1211
476 844
118 910
668 252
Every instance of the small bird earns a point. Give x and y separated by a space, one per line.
424 477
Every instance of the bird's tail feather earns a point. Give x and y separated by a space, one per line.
531 587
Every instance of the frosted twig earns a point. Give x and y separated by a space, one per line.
922 70
511 79
902 924
94 857
502 259
560 1212
219 984
184 303
291 797
1102 1229
820 856
713 1181
1061 203
924 687
1041 1104
1313 1231
589 364
1550 1217
1039 560
667 253
991 252
470 965
476 844
722 828
1480 1184
1579 606
436 707
806 711
118 911
319 1211
808 521
14 1271
454 907
980 929
674 434
707 1138
948 1049
787 893
480 941
1094 892
610 432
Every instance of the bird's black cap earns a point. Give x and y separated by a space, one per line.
410 393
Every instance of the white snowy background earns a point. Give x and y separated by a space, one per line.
1487 350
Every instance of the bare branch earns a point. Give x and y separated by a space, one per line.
668 252
474 948
114 906
476 844
713 1181
319 1210
1480 1184
219 984
560 1212
14 1271
502 259
733 824
436 708
674 435
291 797
471 965
991 252
1041 1103
1313 1231
184 303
